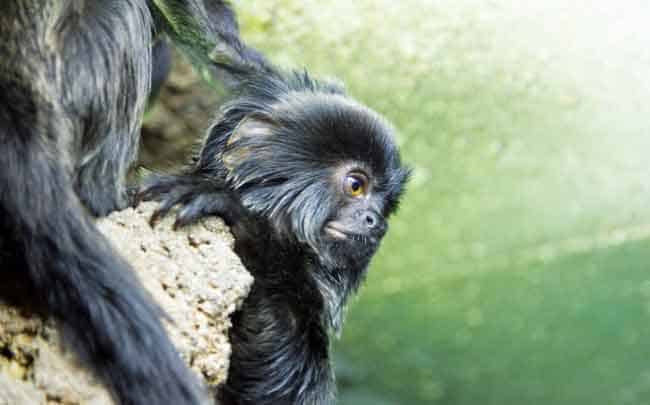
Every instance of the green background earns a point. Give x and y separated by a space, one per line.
517 268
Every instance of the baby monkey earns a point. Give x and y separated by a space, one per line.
306 178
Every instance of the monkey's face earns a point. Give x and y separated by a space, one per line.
351 234
323 169
357 214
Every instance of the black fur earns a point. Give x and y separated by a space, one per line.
74 80
161 66
271 166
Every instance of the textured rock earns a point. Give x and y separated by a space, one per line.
192 273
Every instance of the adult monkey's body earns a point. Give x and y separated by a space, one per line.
74 79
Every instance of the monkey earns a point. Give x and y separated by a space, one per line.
306 177
74 82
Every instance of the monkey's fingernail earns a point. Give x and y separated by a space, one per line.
181 222
155 218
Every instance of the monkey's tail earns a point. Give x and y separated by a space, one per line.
53 258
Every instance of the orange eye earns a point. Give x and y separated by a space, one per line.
356 185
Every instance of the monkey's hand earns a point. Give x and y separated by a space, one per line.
197 196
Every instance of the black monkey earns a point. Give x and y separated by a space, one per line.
306 177
74 79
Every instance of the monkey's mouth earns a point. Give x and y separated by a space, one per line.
336 230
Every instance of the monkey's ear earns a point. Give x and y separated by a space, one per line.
251 129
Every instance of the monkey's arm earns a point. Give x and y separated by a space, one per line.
207 32
197 197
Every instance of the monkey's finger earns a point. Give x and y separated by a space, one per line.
219 204
202 206
192 212
154 190
178 196
158 187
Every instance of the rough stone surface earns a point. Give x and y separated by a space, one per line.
192 273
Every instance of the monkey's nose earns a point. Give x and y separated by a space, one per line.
372 220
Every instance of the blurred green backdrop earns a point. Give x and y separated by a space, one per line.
517 270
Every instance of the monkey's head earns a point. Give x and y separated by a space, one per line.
322 168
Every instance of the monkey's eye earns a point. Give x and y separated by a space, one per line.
355 185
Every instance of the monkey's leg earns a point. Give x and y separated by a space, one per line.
104 87
111 141
101 181
68 269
